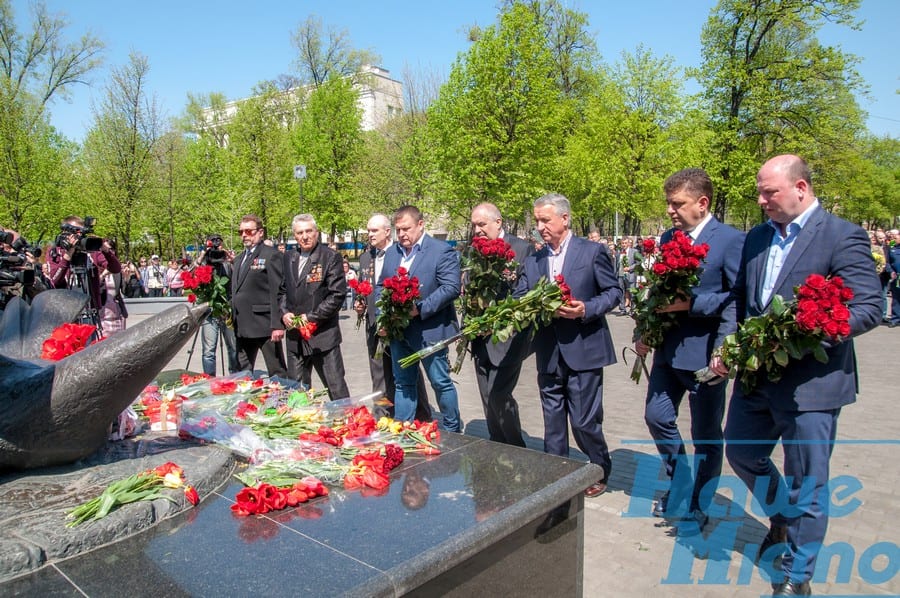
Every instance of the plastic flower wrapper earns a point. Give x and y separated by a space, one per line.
285 449
212 426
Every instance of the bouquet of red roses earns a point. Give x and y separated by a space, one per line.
670 278
362 288
486 266
395 305
763 345
203 285
535 308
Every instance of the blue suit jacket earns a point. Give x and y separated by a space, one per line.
584 344
437 268
689 345
829 246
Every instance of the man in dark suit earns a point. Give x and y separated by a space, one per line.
498 365
254 290
380 368
436 265
688 347
314 287
802 408
571 351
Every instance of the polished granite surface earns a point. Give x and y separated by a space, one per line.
437 512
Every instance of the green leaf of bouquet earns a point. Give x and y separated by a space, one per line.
781 357
820 354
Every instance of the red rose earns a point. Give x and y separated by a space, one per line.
660 269
816 281
648 246
846 294
204 274
844 329
831 328
840 313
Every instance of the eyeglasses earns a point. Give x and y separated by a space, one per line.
247 231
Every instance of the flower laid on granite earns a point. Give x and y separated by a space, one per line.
395 306
362 288
202 284
507 316
263 498
147 485
413 436
763 345
66 340
675 271
306 328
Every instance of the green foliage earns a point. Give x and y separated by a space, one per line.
771 87
329 140
497 124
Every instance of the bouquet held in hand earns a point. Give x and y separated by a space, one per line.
764 345
362 288
671 277
537 307
203 285
395 306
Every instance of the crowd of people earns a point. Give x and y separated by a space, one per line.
276 294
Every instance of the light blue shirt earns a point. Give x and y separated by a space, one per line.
406 259
780 248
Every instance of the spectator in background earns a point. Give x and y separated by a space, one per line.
154 276
173 278
349 274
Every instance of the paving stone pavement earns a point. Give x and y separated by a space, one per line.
629 553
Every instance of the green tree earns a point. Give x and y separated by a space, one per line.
771 87
634 135
328 140
35 68
260 162
497 124
119 155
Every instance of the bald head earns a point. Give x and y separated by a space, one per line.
486 221
379 229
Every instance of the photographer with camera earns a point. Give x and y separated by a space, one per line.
20 272
78 258
154 276
214 255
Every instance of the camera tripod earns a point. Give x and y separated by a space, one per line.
79 280
220 341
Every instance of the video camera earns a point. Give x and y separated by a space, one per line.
14 269
214 252
85 241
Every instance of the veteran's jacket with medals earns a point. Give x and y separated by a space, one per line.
318 290
254 289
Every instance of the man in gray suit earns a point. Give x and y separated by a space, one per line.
498 365
802 408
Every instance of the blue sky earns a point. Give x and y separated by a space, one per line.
200 46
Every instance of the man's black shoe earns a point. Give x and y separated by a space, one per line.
793 588
659 508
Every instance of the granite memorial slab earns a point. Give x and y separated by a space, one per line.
472 519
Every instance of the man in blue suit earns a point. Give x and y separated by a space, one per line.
436 265
571 351
802 408
688 347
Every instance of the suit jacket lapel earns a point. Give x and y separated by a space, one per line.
244 265
423 243
800 245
